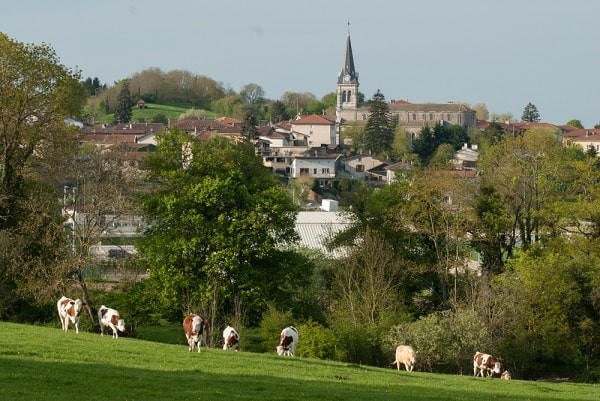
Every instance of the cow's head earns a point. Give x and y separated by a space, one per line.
280 350
497 368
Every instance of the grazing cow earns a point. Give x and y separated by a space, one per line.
68 310
231 338
406 355
505 375
288 341
109 317
485 365
194 327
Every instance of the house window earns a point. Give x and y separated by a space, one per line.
360 168
303 171
414 116
431 116
314 171
325 170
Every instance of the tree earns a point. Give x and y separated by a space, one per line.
36 94
380 128
530 114
249 130
123 111
277 112
575 123
252 93
218 221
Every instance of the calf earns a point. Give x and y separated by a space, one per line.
505 375
194 327
485 365
288 341
110 318
231 338
68 310
406 355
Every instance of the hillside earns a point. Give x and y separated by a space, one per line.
153 111
40 363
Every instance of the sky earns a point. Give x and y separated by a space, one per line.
502 53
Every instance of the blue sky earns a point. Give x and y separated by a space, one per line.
504 53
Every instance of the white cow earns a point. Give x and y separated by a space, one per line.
288 341
231 338
485 365
194 327
406 355
68 310
110 318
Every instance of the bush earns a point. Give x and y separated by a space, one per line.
273 321
444 341
359 344
316 341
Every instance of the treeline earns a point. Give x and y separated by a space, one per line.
183 88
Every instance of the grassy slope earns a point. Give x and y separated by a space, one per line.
151 110
40 363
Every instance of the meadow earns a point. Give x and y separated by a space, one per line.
45 363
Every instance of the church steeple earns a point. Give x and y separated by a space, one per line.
348 73
347 83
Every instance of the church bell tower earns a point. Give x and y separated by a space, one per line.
347 86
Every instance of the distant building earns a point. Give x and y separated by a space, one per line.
411 116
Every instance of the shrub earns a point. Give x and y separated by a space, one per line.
316 341
273 321
444 341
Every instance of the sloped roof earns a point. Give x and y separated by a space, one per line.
316 227
313 119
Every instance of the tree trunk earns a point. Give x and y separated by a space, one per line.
87 301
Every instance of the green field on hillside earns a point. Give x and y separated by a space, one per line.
42 363
151 110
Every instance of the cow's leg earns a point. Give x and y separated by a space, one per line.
76 323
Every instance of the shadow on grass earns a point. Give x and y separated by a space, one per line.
49 381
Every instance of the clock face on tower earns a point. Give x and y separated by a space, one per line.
347 78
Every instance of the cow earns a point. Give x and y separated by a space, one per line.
288 341
194 327
68 310
109 317
231 338
505 375
406 355
485 365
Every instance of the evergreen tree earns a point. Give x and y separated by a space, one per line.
380 128
249 130
530 114
124 104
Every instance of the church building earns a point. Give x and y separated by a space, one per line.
411 116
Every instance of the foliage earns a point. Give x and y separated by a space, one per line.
380 128
444 341
217 218
429 139
249 127
36 94
530 114
123 111
575 123
273 321
317 341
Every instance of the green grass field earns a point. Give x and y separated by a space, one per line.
42 363
151 110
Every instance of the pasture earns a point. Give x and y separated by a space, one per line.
42 363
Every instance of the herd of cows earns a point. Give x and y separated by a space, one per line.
194 327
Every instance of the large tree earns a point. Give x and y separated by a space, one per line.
380 128
218 219
37 93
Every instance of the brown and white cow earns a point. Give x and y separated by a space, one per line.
288 341
68 310
194 327
406 355
485 365
109 317
506 375
231 338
